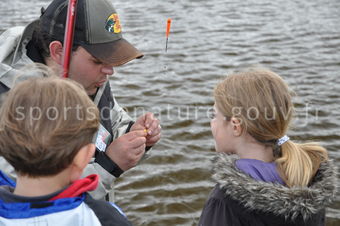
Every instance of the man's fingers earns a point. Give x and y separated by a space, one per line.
134 134
155 128
137 142
140 151
152 140
149 118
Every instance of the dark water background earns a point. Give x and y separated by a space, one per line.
298 39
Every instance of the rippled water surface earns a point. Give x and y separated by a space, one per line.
300 40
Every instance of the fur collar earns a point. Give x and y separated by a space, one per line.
275 198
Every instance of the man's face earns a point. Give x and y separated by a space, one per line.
88 71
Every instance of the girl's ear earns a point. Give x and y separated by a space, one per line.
236 124
81 159
56 52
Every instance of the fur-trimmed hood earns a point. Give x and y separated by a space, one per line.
276 198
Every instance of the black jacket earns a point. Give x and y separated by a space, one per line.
239 200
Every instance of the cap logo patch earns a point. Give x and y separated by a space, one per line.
113 24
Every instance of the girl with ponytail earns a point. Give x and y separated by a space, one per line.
270 180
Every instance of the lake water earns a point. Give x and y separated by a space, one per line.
298 39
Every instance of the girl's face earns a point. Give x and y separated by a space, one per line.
222 131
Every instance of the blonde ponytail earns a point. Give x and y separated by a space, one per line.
299 163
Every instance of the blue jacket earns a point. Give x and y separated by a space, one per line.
79 210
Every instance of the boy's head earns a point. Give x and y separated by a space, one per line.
44 122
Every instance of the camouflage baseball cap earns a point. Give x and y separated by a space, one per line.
97 29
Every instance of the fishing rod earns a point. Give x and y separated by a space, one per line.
69 33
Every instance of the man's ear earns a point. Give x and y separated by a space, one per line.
237 128
56 52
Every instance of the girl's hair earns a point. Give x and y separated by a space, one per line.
261 100
44 122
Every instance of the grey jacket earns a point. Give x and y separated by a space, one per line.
13 57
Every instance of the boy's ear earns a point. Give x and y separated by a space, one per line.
237 128
56 52
84 156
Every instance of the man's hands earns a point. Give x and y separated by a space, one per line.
151 124
128 149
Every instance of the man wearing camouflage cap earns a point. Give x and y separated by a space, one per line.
98 46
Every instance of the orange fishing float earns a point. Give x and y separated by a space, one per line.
167 34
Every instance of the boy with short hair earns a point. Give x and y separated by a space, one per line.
46 131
